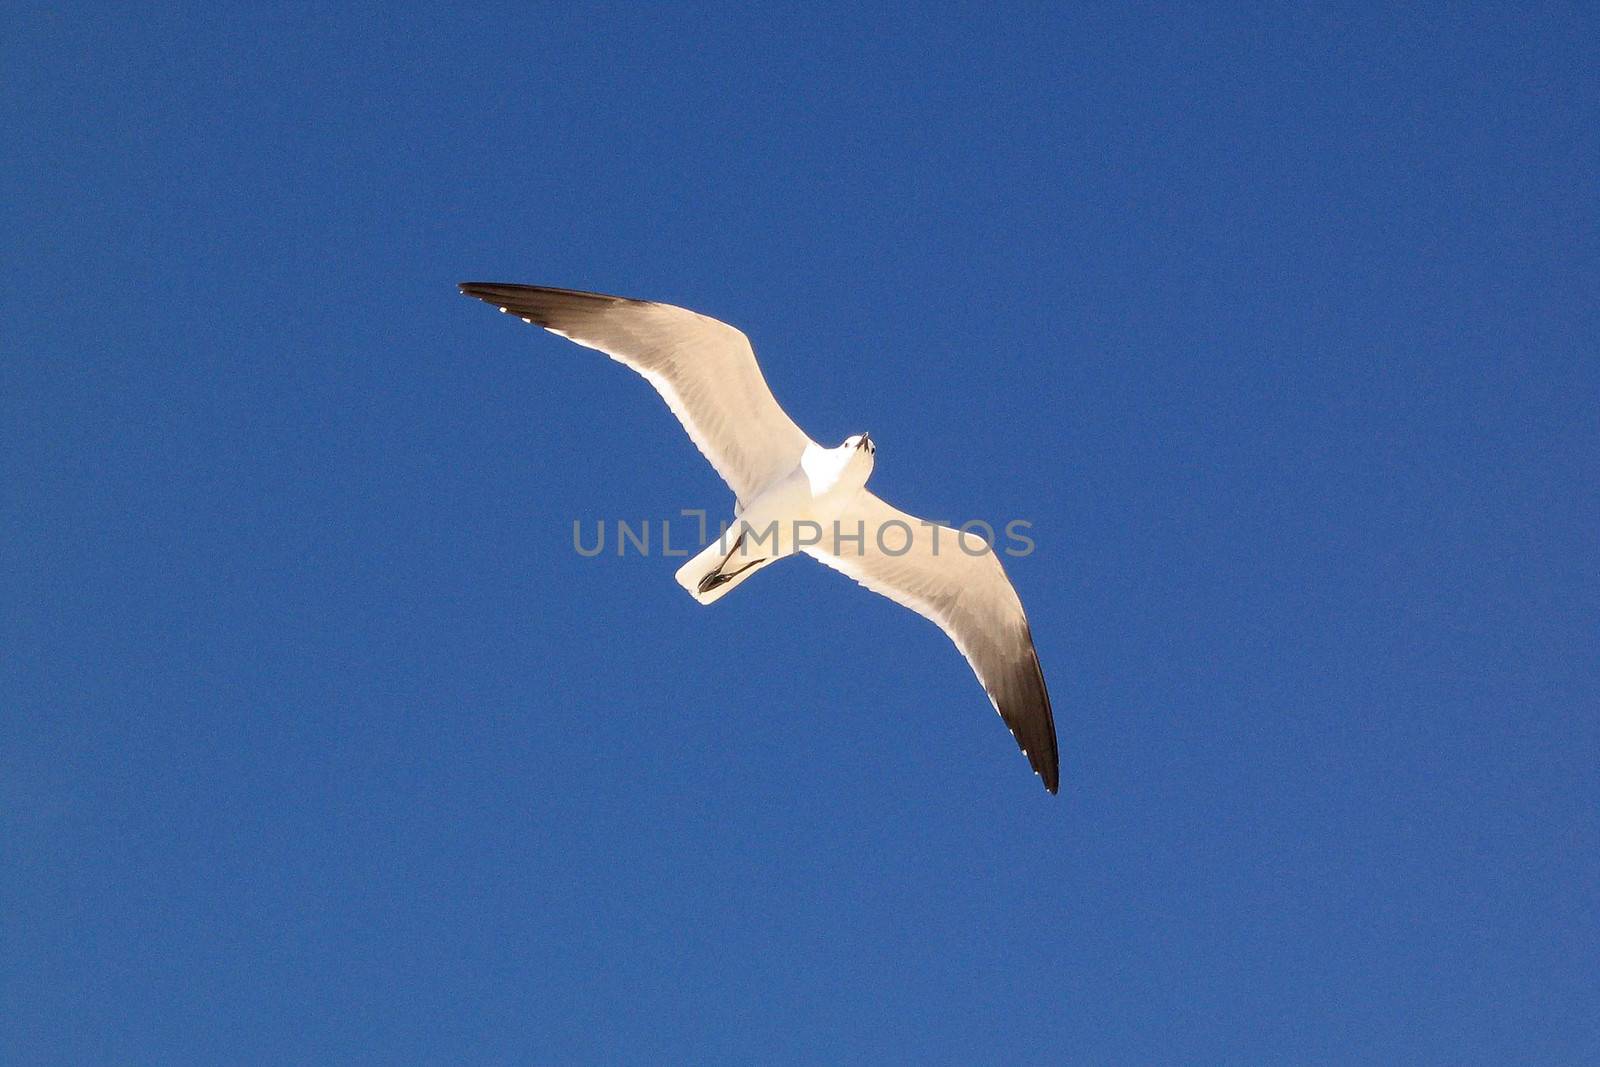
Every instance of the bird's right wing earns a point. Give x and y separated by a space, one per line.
703 368
956 580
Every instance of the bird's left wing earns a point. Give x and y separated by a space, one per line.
704 369
956 580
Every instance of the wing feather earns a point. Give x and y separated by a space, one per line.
704 369
956 580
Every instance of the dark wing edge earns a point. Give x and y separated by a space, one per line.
539 304
1023 701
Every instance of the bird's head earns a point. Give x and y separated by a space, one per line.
858 451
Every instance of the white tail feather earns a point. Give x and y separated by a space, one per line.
740 565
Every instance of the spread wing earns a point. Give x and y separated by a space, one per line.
957 581
704 369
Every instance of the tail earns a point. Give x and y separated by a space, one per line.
720 566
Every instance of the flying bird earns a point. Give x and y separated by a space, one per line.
793 495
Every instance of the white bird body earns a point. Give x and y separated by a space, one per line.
793 495
800 508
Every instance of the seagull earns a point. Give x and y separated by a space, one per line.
792 495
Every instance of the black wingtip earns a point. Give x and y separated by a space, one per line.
484 291
543 305
481 290
529 303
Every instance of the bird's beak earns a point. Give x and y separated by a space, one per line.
865 442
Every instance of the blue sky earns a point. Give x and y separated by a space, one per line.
319 744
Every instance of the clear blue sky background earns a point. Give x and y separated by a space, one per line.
319 744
